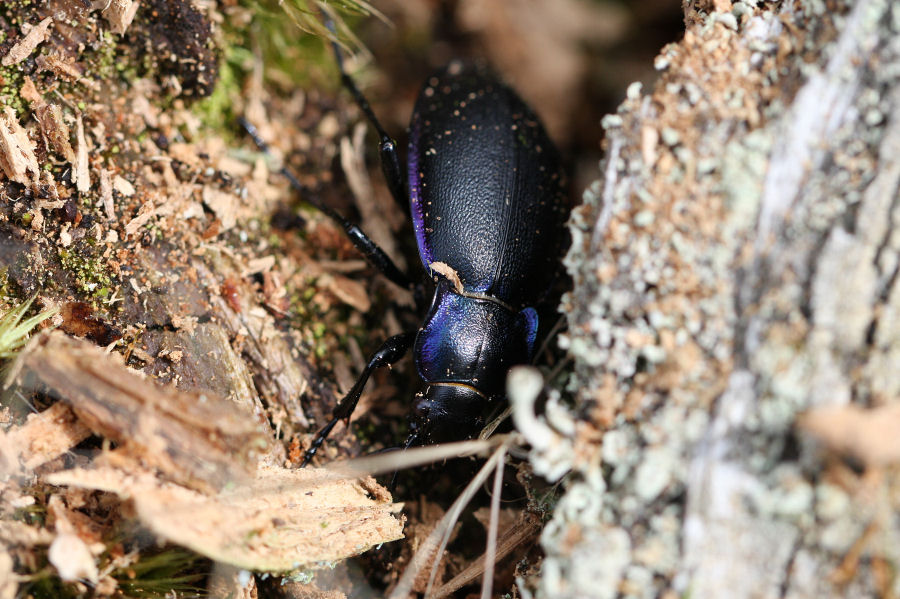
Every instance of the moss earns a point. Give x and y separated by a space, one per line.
106 59
92 275
18 12
217 109
11 80
8 295
291 48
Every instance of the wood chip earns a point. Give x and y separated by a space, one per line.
224 206
868 434
46 435
120 14
142 106
449 272
353 293
8 583
72 559
50 120
106 195
198 440
64 69
257 265
30 93
81 173
281 521
123 186
26 46
148 211
17 156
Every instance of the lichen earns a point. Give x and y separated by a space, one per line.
712 304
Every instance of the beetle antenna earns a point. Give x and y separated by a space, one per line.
413 437
387 147
253 132
348 82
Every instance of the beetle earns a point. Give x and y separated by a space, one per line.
486 192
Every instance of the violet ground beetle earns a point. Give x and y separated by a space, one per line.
487 197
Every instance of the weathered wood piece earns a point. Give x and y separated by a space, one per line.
195 439
43 437
280 521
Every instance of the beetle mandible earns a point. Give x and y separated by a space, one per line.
486 192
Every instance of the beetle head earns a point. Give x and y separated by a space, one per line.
445 413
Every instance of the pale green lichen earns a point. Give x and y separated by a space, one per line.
709 490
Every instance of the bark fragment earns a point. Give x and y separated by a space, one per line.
17 157
23 49
201 441
279 521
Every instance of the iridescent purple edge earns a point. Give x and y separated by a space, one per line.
530 316
415 194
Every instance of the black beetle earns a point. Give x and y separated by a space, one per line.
486 192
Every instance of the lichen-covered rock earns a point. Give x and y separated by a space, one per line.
734 268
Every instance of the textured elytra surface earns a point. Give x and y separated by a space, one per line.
735 269
486 186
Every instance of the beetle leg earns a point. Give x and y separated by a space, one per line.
390 352
387 147
372 252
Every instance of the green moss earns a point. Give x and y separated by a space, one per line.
18 12
366 432
92 275
12 80
106 58
7 294
217 110
292 50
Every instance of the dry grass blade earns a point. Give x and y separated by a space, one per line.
525 529
432 548
490 554
411 458
307 15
